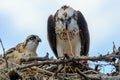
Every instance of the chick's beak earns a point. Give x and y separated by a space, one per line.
39 40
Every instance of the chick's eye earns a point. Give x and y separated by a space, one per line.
32 38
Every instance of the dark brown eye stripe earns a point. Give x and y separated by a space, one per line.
65 7
32 37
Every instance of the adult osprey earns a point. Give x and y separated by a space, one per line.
67 30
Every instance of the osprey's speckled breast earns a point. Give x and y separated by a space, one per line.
62 35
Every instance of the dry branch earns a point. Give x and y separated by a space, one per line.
108 58
4 53
29 59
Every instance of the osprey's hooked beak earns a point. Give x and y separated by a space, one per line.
39 40
67 24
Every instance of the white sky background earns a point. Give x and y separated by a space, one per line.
20 18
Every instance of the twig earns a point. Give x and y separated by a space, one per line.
114 48
45 72
28 59
60 67
84 75
4 53
96 67
91 72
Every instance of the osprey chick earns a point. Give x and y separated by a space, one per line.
25 49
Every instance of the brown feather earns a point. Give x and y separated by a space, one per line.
84 33
20 47
51 34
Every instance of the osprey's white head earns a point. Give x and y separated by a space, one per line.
31 43
64 18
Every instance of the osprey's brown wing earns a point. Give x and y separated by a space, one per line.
51 34
84 33
19 48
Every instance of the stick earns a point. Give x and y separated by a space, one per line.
4 53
